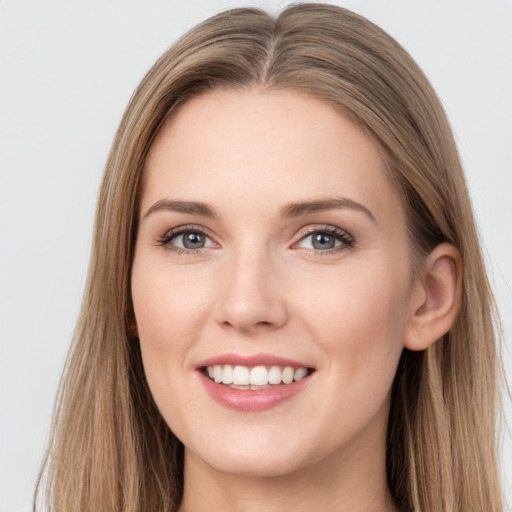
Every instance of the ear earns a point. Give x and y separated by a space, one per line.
436 298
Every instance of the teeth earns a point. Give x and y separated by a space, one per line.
227 374
217 373
288 375
300 373
256 376
240 375
274 375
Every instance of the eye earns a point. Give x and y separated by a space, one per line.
326 240
186 239
322 241
190 240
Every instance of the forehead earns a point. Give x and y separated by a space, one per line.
235 147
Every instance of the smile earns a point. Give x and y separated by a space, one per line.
253 383
256 377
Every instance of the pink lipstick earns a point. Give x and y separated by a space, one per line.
253 383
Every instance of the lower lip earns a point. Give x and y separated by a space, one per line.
252 400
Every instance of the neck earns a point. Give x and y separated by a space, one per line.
353 479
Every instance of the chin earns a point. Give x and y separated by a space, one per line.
255 454
253 465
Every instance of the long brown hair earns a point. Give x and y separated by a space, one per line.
110 449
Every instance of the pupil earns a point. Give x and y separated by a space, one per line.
323 241
193 240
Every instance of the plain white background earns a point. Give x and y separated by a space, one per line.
67 70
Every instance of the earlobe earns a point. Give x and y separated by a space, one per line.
436 300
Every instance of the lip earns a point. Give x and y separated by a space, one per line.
251 361
252 400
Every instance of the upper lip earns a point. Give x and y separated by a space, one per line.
250 361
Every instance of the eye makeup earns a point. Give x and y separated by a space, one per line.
334 240
192 240
323 240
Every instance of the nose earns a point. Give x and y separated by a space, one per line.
253 298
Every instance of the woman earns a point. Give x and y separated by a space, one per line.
286 306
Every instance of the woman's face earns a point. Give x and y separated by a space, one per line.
271 246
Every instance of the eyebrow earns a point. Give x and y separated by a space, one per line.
335 203
191 207
295 209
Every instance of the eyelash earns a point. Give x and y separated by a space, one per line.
347 241
165 240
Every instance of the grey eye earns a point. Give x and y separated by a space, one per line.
322 241
325 240
192 240
187 239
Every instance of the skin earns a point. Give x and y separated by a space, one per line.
259 286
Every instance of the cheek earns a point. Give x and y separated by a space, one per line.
169 306
169 311
358 324
359 318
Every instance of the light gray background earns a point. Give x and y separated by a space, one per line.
67 70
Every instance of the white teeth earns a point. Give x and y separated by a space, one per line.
255 376
288 375
227 374
274 375
241 375
259 376
300 373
